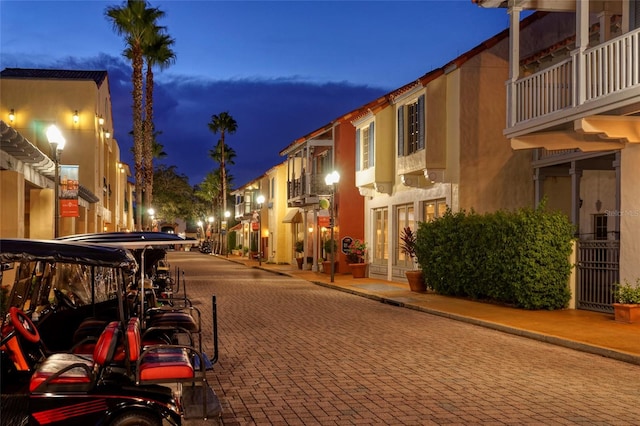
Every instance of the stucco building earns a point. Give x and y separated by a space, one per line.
79 104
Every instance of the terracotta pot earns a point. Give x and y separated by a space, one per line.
300 261
326 267
626 312
358 270
416 281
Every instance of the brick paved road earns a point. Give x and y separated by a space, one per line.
294 353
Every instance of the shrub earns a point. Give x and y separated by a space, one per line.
519 258
627 293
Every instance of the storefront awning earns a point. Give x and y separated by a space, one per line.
293 215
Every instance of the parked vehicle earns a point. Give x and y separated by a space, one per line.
54 369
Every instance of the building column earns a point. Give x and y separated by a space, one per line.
616 217
12 199
629 213
41 214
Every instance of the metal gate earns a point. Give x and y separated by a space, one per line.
598 270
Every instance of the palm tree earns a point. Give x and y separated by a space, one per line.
223 123
229 154
157 148
157 52
136 23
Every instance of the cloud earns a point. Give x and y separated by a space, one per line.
271 113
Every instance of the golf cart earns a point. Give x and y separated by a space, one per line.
54 372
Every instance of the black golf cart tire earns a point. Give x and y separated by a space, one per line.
136 418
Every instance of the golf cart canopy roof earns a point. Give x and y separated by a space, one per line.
15 250
131 240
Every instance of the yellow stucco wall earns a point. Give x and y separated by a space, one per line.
629 213
492 175
40 102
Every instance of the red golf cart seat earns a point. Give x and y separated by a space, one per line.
157 362
66 372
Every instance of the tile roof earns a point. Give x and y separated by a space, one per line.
51 74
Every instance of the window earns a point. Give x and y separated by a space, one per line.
599 226
411 135
434 209
365 149
381 223
405 218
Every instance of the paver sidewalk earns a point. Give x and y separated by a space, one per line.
586 331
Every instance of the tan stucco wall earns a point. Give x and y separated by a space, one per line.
39 103
435 132
281 240
492 175
12 210
629 213
557 192
385 130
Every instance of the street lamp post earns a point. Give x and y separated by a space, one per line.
225 238
331 180
210 220
260 200
57 145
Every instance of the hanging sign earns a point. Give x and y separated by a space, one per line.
68 191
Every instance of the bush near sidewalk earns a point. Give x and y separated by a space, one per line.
519 258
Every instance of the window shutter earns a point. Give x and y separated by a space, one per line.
400 131
421 120
372 149
358 149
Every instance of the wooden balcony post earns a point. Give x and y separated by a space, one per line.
514 64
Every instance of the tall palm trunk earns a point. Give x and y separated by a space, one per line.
223 175
147 151
138 143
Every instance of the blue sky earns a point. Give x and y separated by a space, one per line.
280 68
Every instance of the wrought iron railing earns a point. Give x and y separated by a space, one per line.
598 269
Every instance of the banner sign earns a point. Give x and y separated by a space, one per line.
324 221
69 191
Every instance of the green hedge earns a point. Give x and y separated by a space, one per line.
519 258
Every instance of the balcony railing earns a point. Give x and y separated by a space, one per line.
609 68
307 186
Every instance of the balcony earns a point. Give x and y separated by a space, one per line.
604 79
306 190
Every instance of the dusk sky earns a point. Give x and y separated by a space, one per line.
281 68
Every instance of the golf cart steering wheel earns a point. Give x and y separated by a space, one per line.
64 299
23 325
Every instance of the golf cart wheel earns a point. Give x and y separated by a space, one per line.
136 418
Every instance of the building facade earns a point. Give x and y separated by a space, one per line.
573 102
437 144
79 104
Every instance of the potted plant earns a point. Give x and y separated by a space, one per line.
330 246
408 240
626 307
299 248
356 255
